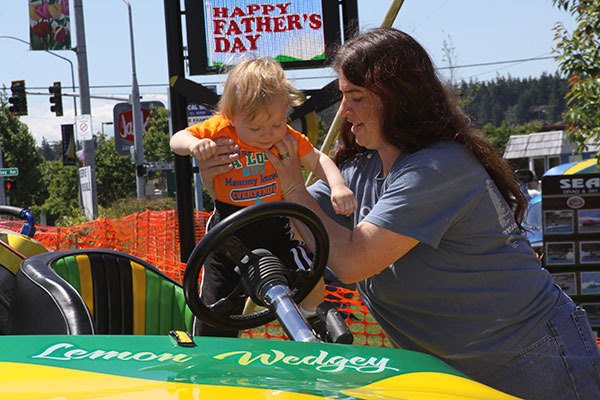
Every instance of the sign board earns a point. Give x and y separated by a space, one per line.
85 183
297 33
571 228
68 145
49 26
197 113
123 123
9 171
83 126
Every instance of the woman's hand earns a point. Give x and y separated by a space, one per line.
287 165
226 153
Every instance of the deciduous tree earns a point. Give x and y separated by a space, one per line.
579 58
18 148
115 175
61 188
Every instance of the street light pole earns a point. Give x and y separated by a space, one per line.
138 125
105 123
55 55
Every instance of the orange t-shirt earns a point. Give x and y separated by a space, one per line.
253 178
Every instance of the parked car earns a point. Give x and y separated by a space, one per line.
532 222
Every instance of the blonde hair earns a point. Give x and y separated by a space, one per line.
252 84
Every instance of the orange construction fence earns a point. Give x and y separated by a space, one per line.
154 236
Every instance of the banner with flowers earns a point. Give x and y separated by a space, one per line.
49 25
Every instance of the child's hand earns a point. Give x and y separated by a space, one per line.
343 200
203 149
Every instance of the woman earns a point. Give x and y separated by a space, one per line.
435 246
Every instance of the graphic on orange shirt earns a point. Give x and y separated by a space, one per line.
253 178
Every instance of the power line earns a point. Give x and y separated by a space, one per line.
333 76
124 86
498 62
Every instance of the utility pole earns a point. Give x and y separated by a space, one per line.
84 98
2 192
138 123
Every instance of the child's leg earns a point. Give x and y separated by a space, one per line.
315 297
218 281
294 255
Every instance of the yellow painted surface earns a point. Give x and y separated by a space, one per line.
427 386
138 276
37 382
85 280
21 243
581 166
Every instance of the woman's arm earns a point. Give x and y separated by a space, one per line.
354 254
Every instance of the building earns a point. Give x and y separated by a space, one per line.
544 150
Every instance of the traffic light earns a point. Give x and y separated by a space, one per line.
56 99
18 98
9 185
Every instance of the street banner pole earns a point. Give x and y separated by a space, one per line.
89 159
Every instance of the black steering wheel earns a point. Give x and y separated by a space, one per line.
252 264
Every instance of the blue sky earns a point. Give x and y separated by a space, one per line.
483 31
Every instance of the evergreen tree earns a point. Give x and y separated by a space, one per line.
47 151
516 101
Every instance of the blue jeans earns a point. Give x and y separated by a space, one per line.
563 363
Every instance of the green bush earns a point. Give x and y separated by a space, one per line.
123 207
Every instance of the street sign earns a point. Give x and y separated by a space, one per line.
197 113
85 183
9 171
83 124
123 123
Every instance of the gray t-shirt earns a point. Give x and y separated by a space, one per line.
472 291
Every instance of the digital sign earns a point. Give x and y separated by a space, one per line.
297 33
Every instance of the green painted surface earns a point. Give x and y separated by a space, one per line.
153 297
179 309
317 368
167 297
67 269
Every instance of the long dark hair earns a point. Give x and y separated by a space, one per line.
417 109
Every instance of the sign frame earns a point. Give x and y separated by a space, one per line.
198 51
571 228
83 127
85 183
124 139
